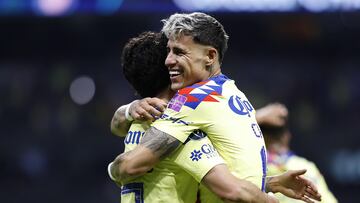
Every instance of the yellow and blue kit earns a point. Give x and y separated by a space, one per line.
280 163
218 108
174 179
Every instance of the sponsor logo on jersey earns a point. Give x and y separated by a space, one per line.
207 149
240 106
133 137
177 102
196 155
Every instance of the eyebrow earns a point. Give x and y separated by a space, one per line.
178 49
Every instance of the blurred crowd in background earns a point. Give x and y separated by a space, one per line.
61 81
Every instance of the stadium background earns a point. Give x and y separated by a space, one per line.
61 81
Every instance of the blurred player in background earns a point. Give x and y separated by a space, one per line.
281 158
157 144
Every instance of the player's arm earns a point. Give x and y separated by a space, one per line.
293 185
145 110
199 158
119 123
231 189
274 114
327 195
154 146
313 173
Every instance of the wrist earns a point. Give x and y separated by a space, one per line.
271 184
127 112
109 169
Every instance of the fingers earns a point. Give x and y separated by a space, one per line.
306 199
297 172
310 190
274 114
147 109
312 193
283 111
158 104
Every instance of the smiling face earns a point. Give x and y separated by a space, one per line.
187 62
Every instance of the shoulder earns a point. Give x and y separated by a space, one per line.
210 86
204 91
296 162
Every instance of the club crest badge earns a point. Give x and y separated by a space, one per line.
177 102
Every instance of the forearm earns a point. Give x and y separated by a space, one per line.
259 118
132 164
250 193
153 146
117 171
119 124
231 189
272 114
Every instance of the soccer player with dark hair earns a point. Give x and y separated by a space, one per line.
169 180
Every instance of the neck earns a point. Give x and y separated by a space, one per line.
166 94
215 71
277 148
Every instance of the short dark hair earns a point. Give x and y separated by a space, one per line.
143 62
274 132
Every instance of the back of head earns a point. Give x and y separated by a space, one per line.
277 138
143 62
273 132
204 29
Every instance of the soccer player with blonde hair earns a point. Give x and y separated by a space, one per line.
206 101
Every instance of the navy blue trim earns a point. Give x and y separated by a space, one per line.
263 160
195 135
137 188
219 79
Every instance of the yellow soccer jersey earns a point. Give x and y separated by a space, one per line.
217 107
280 163
170 179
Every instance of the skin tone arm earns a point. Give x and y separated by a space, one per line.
145 110
274 114
231 189
293 185
156 145
142 110
119 124
290 183
152 148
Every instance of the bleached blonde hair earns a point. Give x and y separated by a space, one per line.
204 29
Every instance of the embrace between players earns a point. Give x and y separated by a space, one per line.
194 136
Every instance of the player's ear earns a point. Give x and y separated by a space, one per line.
211 56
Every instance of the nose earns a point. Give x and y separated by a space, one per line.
170 60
